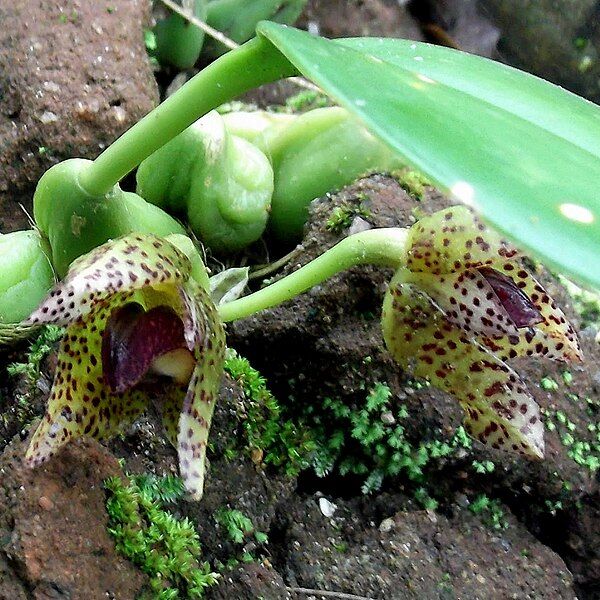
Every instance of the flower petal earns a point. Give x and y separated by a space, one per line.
553 338
452 240
133 339
468 300
203 390
500 412
132 262
80 402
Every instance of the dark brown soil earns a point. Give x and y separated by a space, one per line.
73 76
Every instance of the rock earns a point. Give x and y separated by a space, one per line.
54 541
458 23
339 18
413 556
559 41
249 582
73 76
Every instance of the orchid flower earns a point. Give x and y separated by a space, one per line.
460 308
139 329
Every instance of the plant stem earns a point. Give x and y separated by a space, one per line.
385 247
234 73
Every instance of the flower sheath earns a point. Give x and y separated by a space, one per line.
131 309
461 307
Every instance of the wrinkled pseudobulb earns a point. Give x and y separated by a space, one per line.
461 307
139 329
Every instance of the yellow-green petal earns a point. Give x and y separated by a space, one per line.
500 412
132 262
454 239
203 390
80 403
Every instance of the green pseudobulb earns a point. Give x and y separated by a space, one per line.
74 221
223 182
179 42
26 274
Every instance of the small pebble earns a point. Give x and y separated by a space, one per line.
327 508
386 525
45 503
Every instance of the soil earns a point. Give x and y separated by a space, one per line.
324 534
73 76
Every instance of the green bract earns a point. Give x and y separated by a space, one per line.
26 274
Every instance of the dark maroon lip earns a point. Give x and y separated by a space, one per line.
515 302
133 339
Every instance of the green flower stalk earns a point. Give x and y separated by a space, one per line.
179 42
75 222
26 274
139 329
222 182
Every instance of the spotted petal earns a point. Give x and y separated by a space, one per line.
132 262
499 410
453 240
468 300
199 402
80 402
553 337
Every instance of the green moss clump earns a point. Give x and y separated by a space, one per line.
370 441
163 546
268 437
342 216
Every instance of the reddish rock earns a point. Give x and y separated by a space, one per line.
53 528
73 76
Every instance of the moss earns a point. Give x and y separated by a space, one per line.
30 371
307 100
268 437
163 546
39 349
370 441
342 216
412 182
490 510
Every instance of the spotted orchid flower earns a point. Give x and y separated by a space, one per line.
460 308
139 330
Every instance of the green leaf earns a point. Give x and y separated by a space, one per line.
523 152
